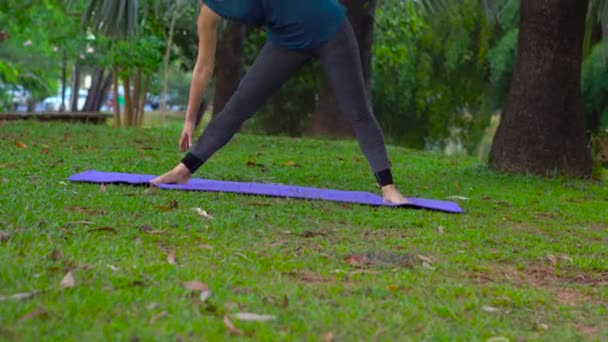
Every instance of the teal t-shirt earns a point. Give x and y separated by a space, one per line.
293 24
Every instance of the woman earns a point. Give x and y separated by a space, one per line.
297 32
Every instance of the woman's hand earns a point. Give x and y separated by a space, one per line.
185 142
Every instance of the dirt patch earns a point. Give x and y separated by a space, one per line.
539 275
587 330
309 277
570 296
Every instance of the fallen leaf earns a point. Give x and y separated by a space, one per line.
248 316
148 230
292 163
309 234
172 205
203 213
37 313
488 308
152 306
231 328
250 163
20 144
462 198
195 285
171 257
441 230
425 259
103 188
205 246
329 337
104 229
392 288
567 258
205 295
358 260
428 266
113 268
73 223
4 236
68 280
19 296
552 259
497 339
158 316
56 255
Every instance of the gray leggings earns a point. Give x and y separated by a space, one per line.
274 65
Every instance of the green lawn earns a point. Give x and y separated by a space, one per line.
527 261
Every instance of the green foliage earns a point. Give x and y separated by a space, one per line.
594 84
429 73
32 56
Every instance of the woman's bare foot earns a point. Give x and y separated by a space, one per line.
179 175
392 195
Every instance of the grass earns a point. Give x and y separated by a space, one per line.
527 261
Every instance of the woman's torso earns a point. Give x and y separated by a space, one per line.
293 24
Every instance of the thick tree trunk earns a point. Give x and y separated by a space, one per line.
327 119
94 91
115 76
230 63
542 130
75 88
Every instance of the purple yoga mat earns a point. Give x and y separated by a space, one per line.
276 190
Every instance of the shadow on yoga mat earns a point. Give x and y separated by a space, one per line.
276 190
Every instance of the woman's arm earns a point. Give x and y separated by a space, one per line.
207 25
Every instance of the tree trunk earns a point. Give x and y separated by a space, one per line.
328 119
126 83
94 90
136 95
75 87
115 100
542 130
169 43
229 64
142 101
103 94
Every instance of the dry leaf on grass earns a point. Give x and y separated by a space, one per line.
358 260
171 258
20 144
552 259
148 230
56 255
248 316
441 230
68 280
172 205
195 285
158 316
36 313
103 188
113 268
203 213
329 337
488 308
231 328
104 229
19 296
4 236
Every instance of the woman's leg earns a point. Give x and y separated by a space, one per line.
272 67
342 64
